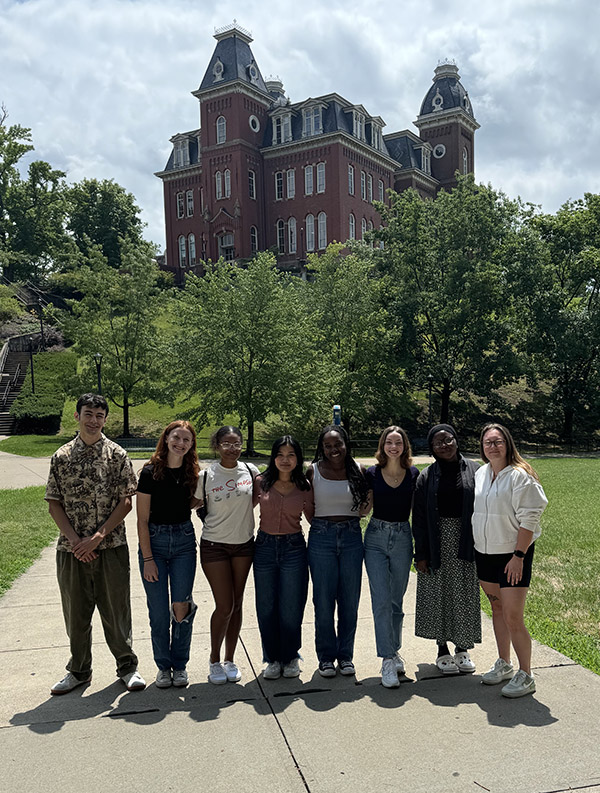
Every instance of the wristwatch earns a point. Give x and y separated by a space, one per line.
519 554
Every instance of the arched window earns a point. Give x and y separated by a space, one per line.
227 176
465 165
310 232
320 177
252 184
219 184
351 179
292 235
291 183
351 227
192 248
181 251
221 129
322 220
308 179
226 248
281 236
253 239
363 228
179 205
189 197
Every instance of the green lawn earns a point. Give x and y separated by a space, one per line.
25 530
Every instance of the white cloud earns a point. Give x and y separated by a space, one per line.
105 83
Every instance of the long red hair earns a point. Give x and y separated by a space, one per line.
191 469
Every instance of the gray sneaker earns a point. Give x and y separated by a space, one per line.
272 671
68 683
389 673
400 667
180 678
500 671
292 669
519 686
163 678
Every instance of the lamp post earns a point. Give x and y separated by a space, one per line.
430 383
31 364
98 360
41 307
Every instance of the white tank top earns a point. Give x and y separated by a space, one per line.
332 496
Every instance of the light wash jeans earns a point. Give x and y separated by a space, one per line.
388 555
174 551
335 557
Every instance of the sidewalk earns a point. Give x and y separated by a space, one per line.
433 734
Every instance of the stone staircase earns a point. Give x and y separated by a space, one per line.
13 377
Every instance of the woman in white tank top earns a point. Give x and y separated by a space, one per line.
335 549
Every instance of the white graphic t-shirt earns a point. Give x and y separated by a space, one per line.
230 517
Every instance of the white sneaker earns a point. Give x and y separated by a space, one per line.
464 663
217 673
292 669
389 673
233 673
519 686
272 671
134 681
163 678
400 667
180 678
500 671
68 683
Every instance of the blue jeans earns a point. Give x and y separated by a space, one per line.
388 555
174 551
335 557
281 588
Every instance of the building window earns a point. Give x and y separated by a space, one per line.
465 162
181 242
227 176
279 185
281 236
363 185
291 183
351 227
180 205
192 248
312 121
322 220
201 199
370 189
219 185
359 125
252 184
375 137
351 179
226 249
363 228
321 177
308 180
189 199
292 235
426 154
221 129
282 129
381 190
310 232
253 239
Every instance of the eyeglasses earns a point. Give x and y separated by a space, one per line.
493 444
445 442
228 446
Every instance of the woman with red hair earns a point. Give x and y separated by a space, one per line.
167 548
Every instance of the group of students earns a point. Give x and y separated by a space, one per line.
471 525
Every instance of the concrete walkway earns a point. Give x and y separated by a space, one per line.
433 734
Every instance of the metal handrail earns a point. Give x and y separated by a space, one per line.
6 393
16 375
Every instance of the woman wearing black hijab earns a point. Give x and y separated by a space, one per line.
448 606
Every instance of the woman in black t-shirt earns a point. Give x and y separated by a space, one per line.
167 552
388 546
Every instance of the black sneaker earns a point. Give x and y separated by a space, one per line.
326 669
346 668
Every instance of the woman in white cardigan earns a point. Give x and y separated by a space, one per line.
509 501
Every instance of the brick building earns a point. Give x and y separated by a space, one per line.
262 172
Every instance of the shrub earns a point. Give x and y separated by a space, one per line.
40 412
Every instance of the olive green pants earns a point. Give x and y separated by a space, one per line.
103 582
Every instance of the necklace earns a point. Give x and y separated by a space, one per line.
176 477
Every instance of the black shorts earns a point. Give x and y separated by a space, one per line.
222 551
490 567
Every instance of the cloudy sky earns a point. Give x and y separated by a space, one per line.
104 84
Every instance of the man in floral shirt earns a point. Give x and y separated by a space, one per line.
90 486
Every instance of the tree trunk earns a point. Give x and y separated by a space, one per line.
126 433
445 408
568 420
250 440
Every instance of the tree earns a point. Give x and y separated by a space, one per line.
103 213
356 337
243 346
447 261
10 308
32 210
560 292
118 316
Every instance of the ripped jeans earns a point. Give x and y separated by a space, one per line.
174 552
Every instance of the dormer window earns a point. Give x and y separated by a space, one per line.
218 70
358 125
312 122
376 137
282 129
253 73
426 160
181 154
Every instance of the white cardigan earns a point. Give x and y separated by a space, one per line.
513 500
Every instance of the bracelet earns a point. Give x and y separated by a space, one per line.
519 554
148 558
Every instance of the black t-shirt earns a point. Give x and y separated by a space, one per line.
169 497
450 491
391 503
